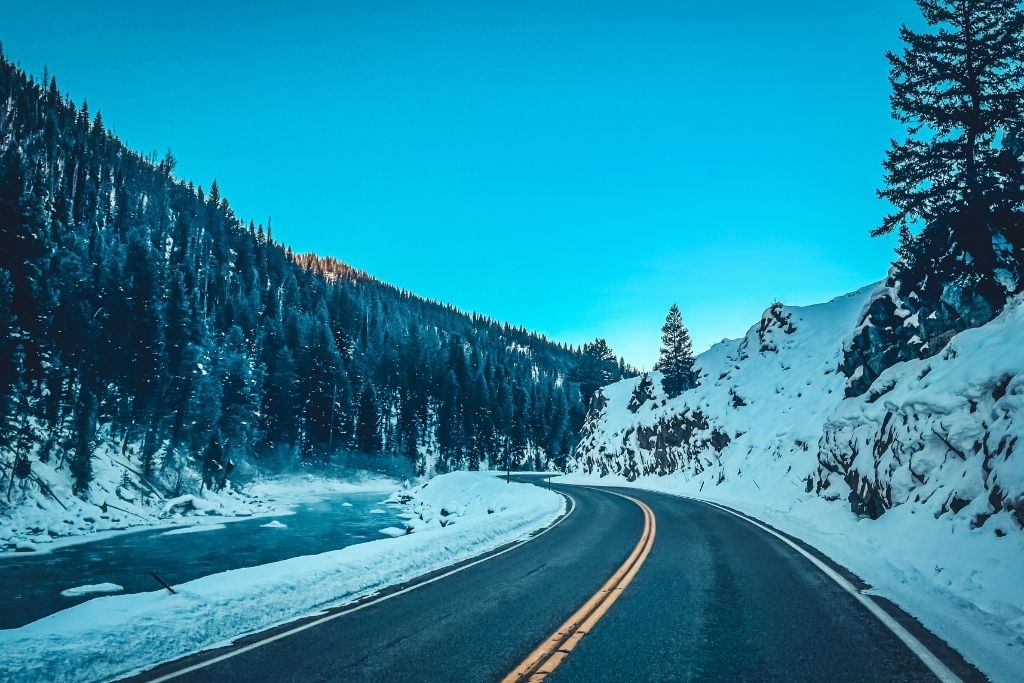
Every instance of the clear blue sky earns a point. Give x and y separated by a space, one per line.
575 167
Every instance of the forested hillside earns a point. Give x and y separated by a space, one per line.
139 313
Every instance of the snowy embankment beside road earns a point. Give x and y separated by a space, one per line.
928 450
451 518
964 585
122 500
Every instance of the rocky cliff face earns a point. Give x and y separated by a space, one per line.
940 432
950 284
760 401
772 416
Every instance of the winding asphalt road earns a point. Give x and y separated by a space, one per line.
716 599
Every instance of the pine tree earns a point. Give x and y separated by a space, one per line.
12 388
597 367
21 246
676 359
957 88
368 424
242 384
85 431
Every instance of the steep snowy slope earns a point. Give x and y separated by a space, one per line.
770 410
761 399
916 485
939 432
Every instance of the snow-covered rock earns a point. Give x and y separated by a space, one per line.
955 276
91 588
940 433
761 398
916 484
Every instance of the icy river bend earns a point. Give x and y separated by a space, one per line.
31 585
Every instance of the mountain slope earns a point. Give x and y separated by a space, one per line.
917 484
764 396
141 319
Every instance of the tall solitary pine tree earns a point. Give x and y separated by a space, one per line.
676 359
957 88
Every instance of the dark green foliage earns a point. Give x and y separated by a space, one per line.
597 368
957 88
11 367
139 310
676 358
368 422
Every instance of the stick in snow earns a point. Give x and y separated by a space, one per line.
163 583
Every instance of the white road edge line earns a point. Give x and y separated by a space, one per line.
317 622
934 664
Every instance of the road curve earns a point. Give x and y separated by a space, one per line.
472 626
720 599
715 599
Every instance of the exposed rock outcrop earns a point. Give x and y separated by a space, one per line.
927 299
940 432
771 411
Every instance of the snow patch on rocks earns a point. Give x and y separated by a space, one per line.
917 484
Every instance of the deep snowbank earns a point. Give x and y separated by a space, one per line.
928 451
939 432
962 584
113 636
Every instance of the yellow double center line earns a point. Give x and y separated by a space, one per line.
552 651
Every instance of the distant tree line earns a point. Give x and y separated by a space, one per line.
138 310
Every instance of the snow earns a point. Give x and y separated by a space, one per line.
788 393
186 502
92 588
194 529
114 636
302 488
393 531
274 524
936 435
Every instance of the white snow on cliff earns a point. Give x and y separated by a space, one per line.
930 447
767 393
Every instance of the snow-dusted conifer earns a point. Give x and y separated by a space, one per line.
676 359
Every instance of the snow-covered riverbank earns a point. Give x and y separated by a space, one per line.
449 519
63 519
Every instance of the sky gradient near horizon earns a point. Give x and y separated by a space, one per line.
574 167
